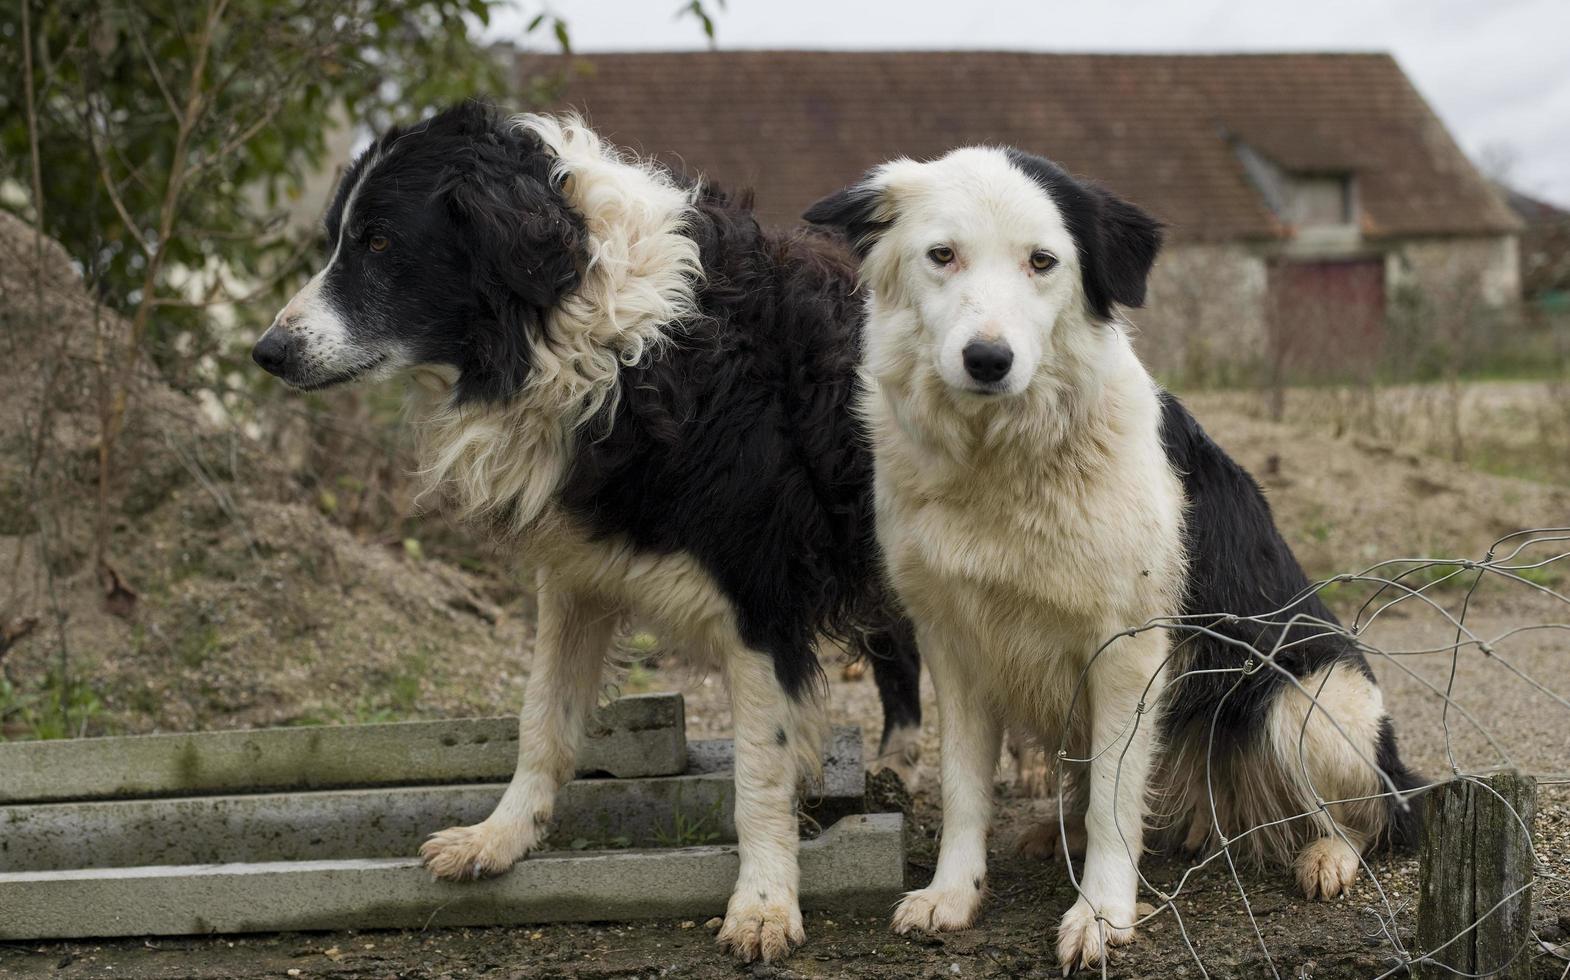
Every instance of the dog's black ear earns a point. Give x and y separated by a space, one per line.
526 248
1122 246
525 242
1117 242
861 211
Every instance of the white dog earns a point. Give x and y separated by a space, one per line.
1037 496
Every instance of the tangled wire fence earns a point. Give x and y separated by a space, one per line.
1526 571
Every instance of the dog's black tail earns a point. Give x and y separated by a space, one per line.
1404 823
890 647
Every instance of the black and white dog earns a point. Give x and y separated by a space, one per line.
653 397
1037 495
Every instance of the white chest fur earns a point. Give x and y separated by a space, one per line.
1028 558
669 591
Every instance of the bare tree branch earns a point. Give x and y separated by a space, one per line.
106 177
214 299
113 414
152 67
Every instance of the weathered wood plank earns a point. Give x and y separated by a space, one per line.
1475 879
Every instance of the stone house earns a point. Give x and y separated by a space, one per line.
1308 197
1545 250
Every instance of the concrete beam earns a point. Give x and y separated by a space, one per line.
697 807
632 737
859 862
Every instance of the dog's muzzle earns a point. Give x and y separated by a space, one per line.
274 350
987 361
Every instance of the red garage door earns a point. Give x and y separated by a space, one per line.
1327 319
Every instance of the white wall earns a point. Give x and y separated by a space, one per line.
1204 315
1488 264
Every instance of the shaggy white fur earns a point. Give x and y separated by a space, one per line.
1021 528
639 281
1027 517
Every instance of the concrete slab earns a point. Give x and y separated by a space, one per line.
349 823
391 822
631 737
839 793
859 862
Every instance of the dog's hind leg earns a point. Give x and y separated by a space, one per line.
1063 829
1030 767
573 637
1325 738
779 740
896 666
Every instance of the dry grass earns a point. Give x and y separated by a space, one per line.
1507 428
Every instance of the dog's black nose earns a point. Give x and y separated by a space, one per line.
272 351
987 360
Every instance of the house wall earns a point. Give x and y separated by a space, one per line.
1204 316
1475 268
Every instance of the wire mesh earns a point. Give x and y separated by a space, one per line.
1526 576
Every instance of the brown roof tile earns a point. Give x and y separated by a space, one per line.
796 125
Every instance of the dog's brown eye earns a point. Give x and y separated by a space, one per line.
941 254
1042 261
379 243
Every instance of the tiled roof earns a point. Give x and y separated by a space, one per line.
796 125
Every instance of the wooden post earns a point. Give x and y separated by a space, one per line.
1474 912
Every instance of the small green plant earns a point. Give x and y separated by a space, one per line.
1317 528
689 831
56 710
1548 576
404 692
196 644
639 679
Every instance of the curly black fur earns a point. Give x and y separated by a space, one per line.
734 443
737 444
1240 565
482 246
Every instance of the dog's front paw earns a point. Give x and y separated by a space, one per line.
938 909
757 928
1326 867
1084 939
479 851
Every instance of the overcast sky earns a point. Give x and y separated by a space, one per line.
1497 71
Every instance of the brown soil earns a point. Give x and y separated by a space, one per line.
251 606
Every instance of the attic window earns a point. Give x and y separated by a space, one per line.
1318 200
1302 199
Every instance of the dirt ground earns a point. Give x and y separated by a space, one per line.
1207 933
1342 938
255 607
